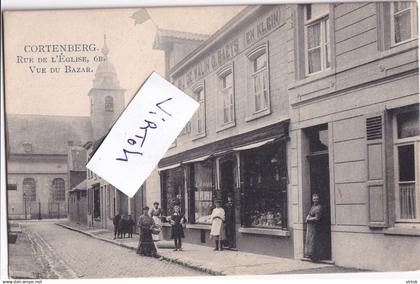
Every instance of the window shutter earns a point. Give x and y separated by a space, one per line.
376 176
191 193
163 199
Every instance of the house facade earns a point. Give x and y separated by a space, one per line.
296 100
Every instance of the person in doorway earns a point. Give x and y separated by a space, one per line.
116 222
177 221
130 226
156 214
313 221
230 222
146 245
217 229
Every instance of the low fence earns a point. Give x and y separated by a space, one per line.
37 210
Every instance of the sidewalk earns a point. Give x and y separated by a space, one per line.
213 262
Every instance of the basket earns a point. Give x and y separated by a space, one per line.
156 229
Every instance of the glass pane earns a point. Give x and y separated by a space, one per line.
314 35
402 26
408 124
260 62
314 60
399 6
203 196
406 163
408 201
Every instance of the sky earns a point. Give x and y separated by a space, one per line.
130 45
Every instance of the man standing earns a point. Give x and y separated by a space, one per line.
116 222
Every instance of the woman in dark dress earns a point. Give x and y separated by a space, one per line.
177 232
146 245
313 229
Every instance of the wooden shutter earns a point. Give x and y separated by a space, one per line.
191 193
376 177
163 188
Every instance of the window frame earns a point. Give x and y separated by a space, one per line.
225 71
54 189
414 140
34 189
199 89
109 104
413 23
324 42
255 53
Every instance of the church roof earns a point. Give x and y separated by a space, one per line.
46 134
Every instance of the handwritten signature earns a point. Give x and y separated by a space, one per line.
141 138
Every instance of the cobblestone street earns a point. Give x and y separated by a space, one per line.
62 253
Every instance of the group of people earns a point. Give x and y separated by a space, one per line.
123 225
150 228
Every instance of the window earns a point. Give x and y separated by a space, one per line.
407 166
317 38
226 95
265 187
203 193
109 104
29 189
58 189
259 79
172 189
403 21
200 116
11 186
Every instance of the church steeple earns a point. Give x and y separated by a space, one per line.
106 96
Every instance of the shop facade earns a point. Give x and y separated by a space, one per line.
235 147
354 132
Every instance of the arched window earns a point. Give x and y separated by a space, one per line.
109 104
29 189
58 190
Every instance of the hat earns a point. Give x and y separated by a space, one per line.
155 203
218 201
146 208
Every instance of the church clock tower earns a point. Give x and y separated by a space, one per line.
106 97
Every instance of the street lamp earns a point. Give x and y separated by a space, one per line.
24 199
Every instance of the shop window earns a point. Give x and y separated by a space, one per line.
203 191
172 189
58 189
226 103
403 21
29 189
317 38
200 115
11 186
265 187
407 167
109 104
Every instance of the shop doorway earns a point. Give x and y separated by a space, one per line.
320 184
227 182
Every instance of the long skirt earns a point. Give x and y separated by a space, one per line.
146 245
157 222
312 241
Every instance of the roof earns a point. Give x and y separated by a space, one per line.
46 134
243 15
80 187
162 35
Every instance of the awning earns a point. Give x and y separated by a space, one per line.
203 158
169 167
254 145
80 187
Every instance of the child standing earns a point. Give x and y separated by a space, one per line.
177 233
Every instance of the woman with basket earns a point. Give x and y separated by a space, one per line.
147 226
156 214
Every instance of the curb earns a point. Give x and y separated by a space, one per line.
166 258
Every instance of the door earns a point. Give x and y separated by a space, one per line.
320 184
227 180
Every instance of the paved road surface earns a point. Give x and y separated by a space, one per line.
68 254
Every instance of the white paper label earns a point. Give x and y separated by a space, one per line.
142 134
